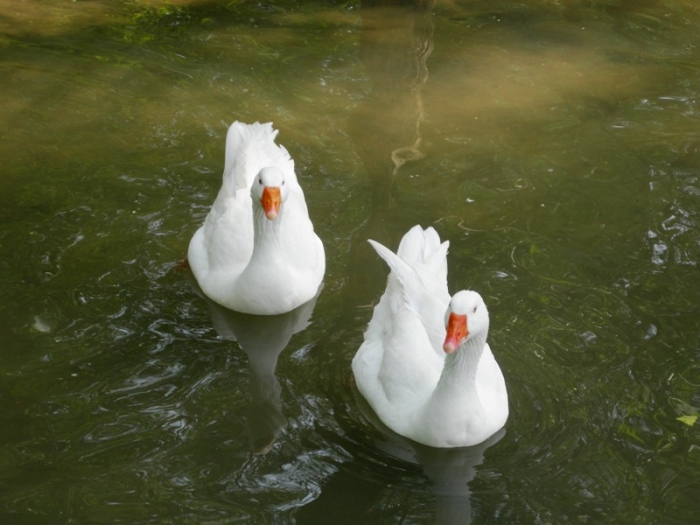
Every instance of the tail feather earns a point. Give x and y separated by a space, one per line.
423 250
249 148
420 264
419 275
398 266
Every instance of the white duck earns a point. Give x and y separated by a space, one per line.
441 388
257 251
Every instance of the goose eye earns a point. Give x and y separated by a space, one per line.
283 182
474 310
259 181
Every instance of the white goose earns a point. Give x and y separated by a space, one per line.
257 251
439 387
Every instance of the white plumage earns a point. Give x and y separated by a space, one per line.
438 386
257 251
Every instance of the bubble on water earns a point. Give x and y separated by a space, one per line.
659 255
651 331
40 325
588 337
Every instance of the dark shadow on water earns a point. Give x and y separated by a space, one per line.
378 495
449 469
262 338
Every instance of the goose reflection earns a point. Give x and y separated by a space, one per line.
449 469
262 338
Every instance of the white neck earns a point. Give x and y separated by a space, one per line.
459 373
265 230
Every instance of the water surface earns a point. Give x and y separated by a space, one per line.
555 144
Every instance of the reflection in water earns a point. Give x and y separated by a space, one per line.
396 41
262 338
450 469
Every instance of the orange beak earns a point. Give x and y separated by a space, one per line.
271 201
456 332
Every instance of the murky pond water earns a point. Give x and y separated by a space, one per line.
555 144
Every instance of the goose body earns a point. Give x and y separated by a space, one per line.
257 251
425 366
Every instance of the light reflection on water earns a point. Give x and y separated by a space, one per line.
554 145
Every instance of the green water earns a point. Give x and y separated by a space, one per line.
555 144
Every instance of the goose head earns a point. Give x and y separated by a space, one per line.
270 191
466 317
